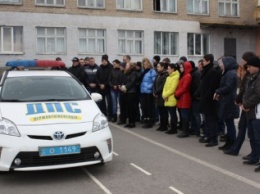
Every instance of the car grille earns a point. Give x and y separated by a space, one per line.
32 159
70 136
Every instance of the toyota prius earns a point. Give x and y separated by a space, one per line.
48 120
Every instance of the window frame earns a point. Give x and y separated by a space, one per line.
231 2
176 36
129 9
134 39
202 48
8 2
12 51
96 37
92 7
200 7
50 5
161 11
46 42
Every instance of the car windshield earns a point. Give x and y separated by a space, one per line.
42 88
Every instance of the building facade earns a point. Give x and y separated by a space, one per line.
46 29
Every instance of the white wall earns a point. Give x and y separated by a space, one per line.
245 38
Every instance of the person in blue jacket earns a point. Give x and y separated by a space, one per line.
146 88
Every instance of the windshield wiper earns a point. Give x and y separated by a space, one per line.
54 99
12 100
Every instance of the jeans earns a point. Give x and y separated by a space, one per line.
105 104
163 116
231 129
195 117
254 128
242 126
211 126
114 99
185 113
173 114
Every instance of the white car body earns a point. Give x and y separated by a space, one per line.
39 123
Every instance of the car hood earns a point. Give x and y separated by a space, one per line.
38 113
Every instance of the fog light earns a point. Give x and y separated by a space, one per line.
96 155
17 161
109 145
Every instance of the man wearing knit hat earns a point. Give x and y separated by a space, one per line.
251 104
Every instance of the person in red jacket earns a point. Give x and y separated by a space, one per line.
183 96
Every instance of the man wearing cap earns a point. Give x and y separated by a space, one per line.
77 70
251 100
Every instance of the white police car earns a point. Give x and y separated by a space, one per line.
49 121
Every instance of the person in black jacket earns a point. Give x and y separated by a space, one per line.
90 72
102 76
115 80
129 88
226 95
242 123
157 92
77 70
209 82
195 114
251 105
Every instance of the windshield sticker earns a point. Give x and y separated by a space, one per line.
56 110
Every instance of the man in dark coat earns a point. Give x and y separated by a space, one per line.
90 72
210 79
77 70
242 123
226 95
195 114
102 76
251 105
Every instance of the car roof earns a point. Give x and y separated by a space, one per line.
51 73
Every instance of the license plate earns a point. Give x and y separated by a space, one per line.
59 150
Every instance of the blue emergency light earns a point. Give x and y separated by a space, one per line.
35 63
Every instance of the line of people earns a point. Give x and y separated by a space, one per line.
183 92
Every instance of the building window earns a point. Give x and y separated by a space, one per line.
198 44
198 6
51 40
229 8
165 6
166 43
50 2
11 39
91 3
10 1
130 42
129 4
91 41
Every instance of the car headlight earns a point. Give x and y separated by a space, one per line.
99 122
8 128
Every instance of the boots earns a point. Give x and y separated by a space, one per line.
173 129
163 125
185 129
227 145
114 119
148 123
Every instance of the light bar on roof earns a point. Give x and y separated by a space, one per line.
35 63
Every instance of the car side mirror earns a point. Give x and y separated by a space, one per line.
96 97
